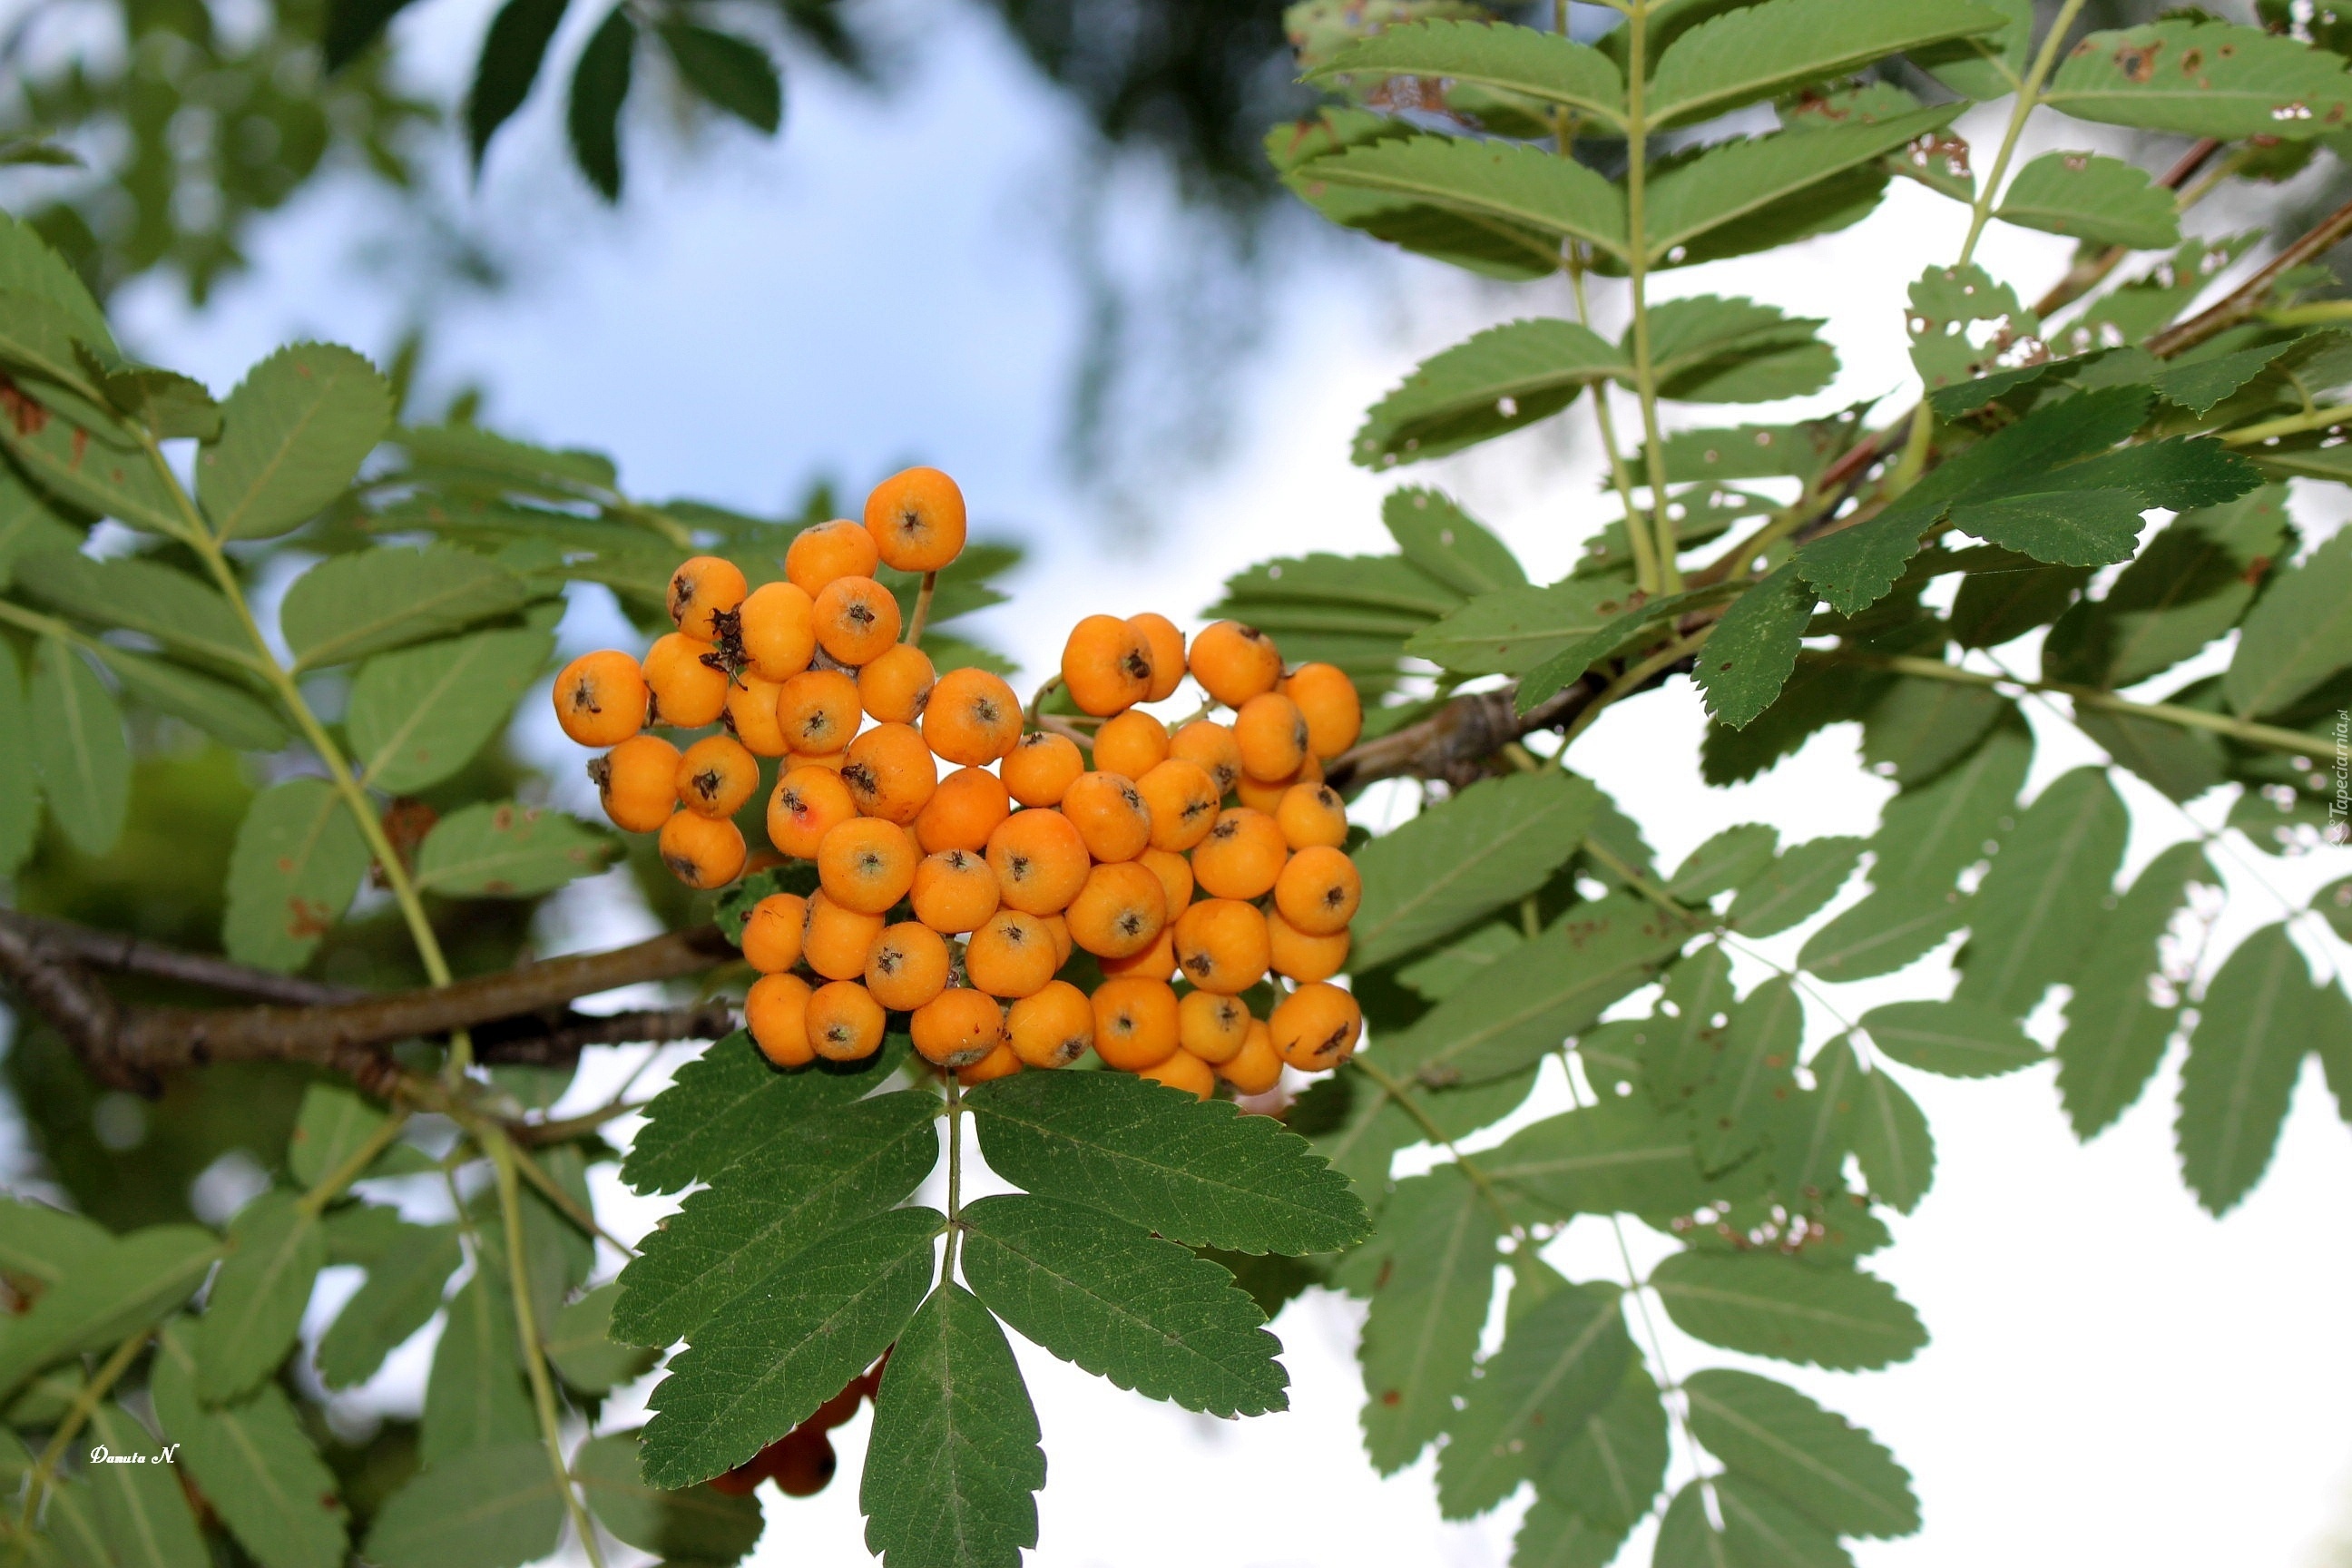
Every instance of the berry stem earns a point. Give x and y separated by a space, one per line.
955 1177
914 637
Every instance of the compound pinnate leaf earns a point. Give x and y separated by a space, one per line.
698 1526
1541 65
139 596
1753 649
1503 379
2198 78
501 1508
599 85
1741 178
293 435
2297 634
953 1468
474 1398
1492 843
254 1463
2072 527
1559 1364
1795 887
1431 1277
1196 1172
419 714
402 1292
1957 1038
349 606
2116 1030
504 850
1770 1306
726 1103
255 1309
581 1347
1758 1530
1521 186
1741 57
1512 630
1610 1469
296 864
2087 196
1833 1471
1618 1156
1891 1139
78 748
1123 1304
142 1512
2258 1016
763 1367
2039 908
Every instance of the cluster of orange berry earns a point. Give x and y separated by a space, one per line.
960 899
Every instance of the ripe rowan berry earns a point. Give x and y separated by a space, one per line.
845 1021
1002 1062
1212 1027
638 781
703 852
1241 856
1310 815
1010 955
1258 1066
776 629
1119 911
836 941
1315 1026
802 1463
752 714
968 805
808 803
1135 1022
1272 735
818 711
704 594
972 718
772 935
916 518
954 891
1318 890
856 619
716 775
831 761
1164 645
601 698
958 1027
1182 1069
1175 874
1221 944
1335 713
1041 767
1039 859
1157 962
1109 815
1131 744
907 966
687 682
828 552
1266 795
865 864
1233 662
1105 666
894 685
890 773
1052 1027
776 1012
1058 926
1211 747
1182 802
1298 956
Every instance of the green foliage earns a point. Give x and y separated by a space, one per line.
2089 197
2200 78
418 715
1770 1434
254 1461
296 865
1502 380
1558 1366
2296 634
78 749
504 850
696 1525
2038 909
1770 1306
1429 1269
2258 1017
1495 842
1754 648
400 1295
255 1307
292 435
499 1507
1739 57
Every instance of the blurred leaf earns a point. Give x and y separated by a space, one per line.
2039 908
1919 727
501 1508
2115 1030
1522 187
142 1514
334 1123
1540 65
354 25
1432 1274
1746 55
1500 379
504 850
2195 77
582 1351
1891 1139
1697 194
727 73
1795 887
2297 634
1959 1039
87 463
599 85
1833 1471
230 714
1463 858
1558 1366
141 597
129 1285
2096 199
78 748
2258 1016
1610 1470
293 435
255 1465
1712 349
255 1308
1928 836
1758 1528
1995 607
1890 929
475 1402
296 865
20 784
348 606
1768 1306
511 52
1618 1156
698 1526
400 1295
418 714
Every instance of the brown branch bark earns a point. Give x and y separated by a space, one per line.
134 955
2247 298
1455 742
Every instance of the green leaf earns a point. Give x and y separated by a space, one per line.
2099 200
400 1295
1551 1536
1732 857
78 748
354 25
511 53
761 1368
1758 1530
599 85
1444 541
727 1103
1513 630
419 714
2198 383
1919 727
2074 528
39 1247
349 606
1496 56
474 1400
1473 853
1710 350
800 1183
2297 635
255 1465
20 784
1928 836
1795 887
1756 52
1890 929
698 1526
1677 1044
1646 620
29 266
1125 1305
1502 380
1521 187
89 464
2198 77
1995 607
173 407
1435 1275
501 1508
131 1284
1833 1471
1618 1156
293 435
255 1309
141 596
1196 1172
727 73
142 1513
1734 180
2041 906
1959 1039
2258 1016
581 1347
1558 1366
953 1466
1753 649
1752 1076
2116 1030
331 1128
504 850
1762 1304
29 524
1610 1469
229 713
1947 347
1891 1139
296 864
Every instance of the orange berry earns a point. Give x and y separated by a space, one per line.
1272 734
752 714
831 761
955 891
688 682
1164 645
1052 1027
1298 956
1039 859
916 518
856 619
716 775
845 1022
1310 815
1212 1028
601 698
968 805
1318 890
1182 802
808 804
836 941
638 781
890 773
1108 811
1241 856
1010 955
1258 1066
1221 945
1059 925
1157 962
865 864
1131 744
772 936
1335 713
972 718
1211 747
1135 1022
1315 1026
1175 874
907 966
1266 795
703 852
1234 663
894 685
1002 1062
704 594
1182 1070
829 551
776 629
1119 911
1041 768
776 1012
818 711
958 1027
1105 666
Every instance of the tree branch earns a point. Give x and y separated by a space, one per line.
135 955
1454 743
2242 302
